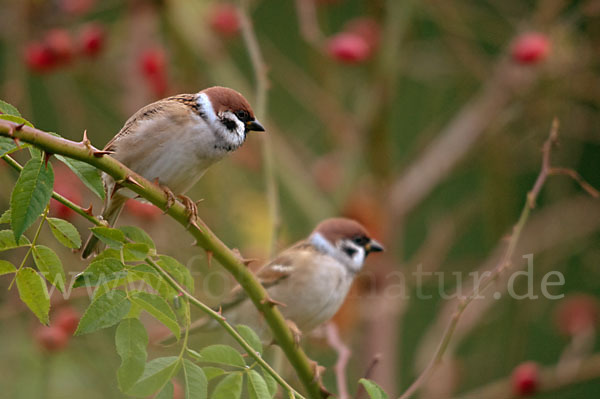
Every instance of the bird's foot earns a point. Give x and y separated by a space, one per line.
168 193
191 209
296 333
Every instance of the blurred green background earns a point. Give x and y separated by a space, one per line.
430 135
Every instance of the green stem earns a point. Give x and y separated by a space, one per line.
221 320
205 238
33 242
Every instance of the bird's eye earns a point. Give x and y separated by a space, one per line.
360 240
242 115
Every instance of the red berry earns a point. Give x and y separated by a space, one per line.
51 338
142 210
366 27
224 19
154 68
526 379
577 313
349 48
39 57
177 390
91 39
67 185
60 43
67 319
530 48
76 7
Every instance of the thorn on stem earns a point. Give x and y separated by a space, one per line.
100 154
272 302
19 126
47 156
131 180
89 210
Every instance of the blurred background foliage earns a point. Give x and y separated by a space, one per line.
351 122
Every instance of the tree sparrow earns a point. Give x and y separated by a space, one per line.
174 141
310 280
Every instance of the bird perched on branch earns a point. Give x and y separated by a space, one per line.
174 141
309 280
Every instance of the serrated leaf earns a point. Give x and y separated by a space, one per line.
9 109
87 174
50 265
212 372
99 272
222 354
6 267
138 235
374 390
157 283
65 233
109 253
272 385
178 271
158 308
133 251
6 146
112 237
30 195
104 312
167 392
5 218
7 240
156 375
229 387
34 293
194 381
131 340
257 387
250 337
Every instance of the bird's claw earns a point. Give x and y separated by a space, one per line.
191 208
297 335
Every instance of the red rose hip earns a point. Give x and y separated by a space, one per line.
51 339
224 20
91 39
348 47
526 379
530 48
67 319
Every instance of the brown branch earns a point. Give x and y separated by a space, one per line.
344 353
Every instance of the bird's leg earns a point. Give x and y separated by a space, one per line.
191 208
296 333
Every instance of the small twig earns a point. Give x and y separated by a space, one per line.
307 21
262 86
368 372
503 264
578 179
344 353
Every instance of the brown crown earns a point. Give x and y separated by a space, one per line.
335 229
225 99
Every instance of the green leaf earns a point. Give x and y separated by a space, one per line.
7 240
134 251
16 119
5 218
257 387
112 237
131 340
65 233
178 271
99 272
30 195
229 387
104 312
6 267
212 372
138 235
157 283
194 381
272 385
8 146
34 293
250 336
50 265
222 354
156 375
374 390
158 308
167 392
87 173
9 109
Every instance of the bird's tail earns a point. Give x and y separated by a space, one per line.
110 213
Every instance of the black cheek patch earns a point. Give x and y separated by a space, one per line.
229 124
349 251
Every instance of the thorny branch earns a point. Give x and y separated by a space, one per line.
545 171
205 238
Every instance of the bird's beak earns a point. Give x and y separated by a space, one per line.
374 246
254 126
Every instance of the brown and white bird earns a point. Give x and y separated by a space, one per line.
174 141
310 279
